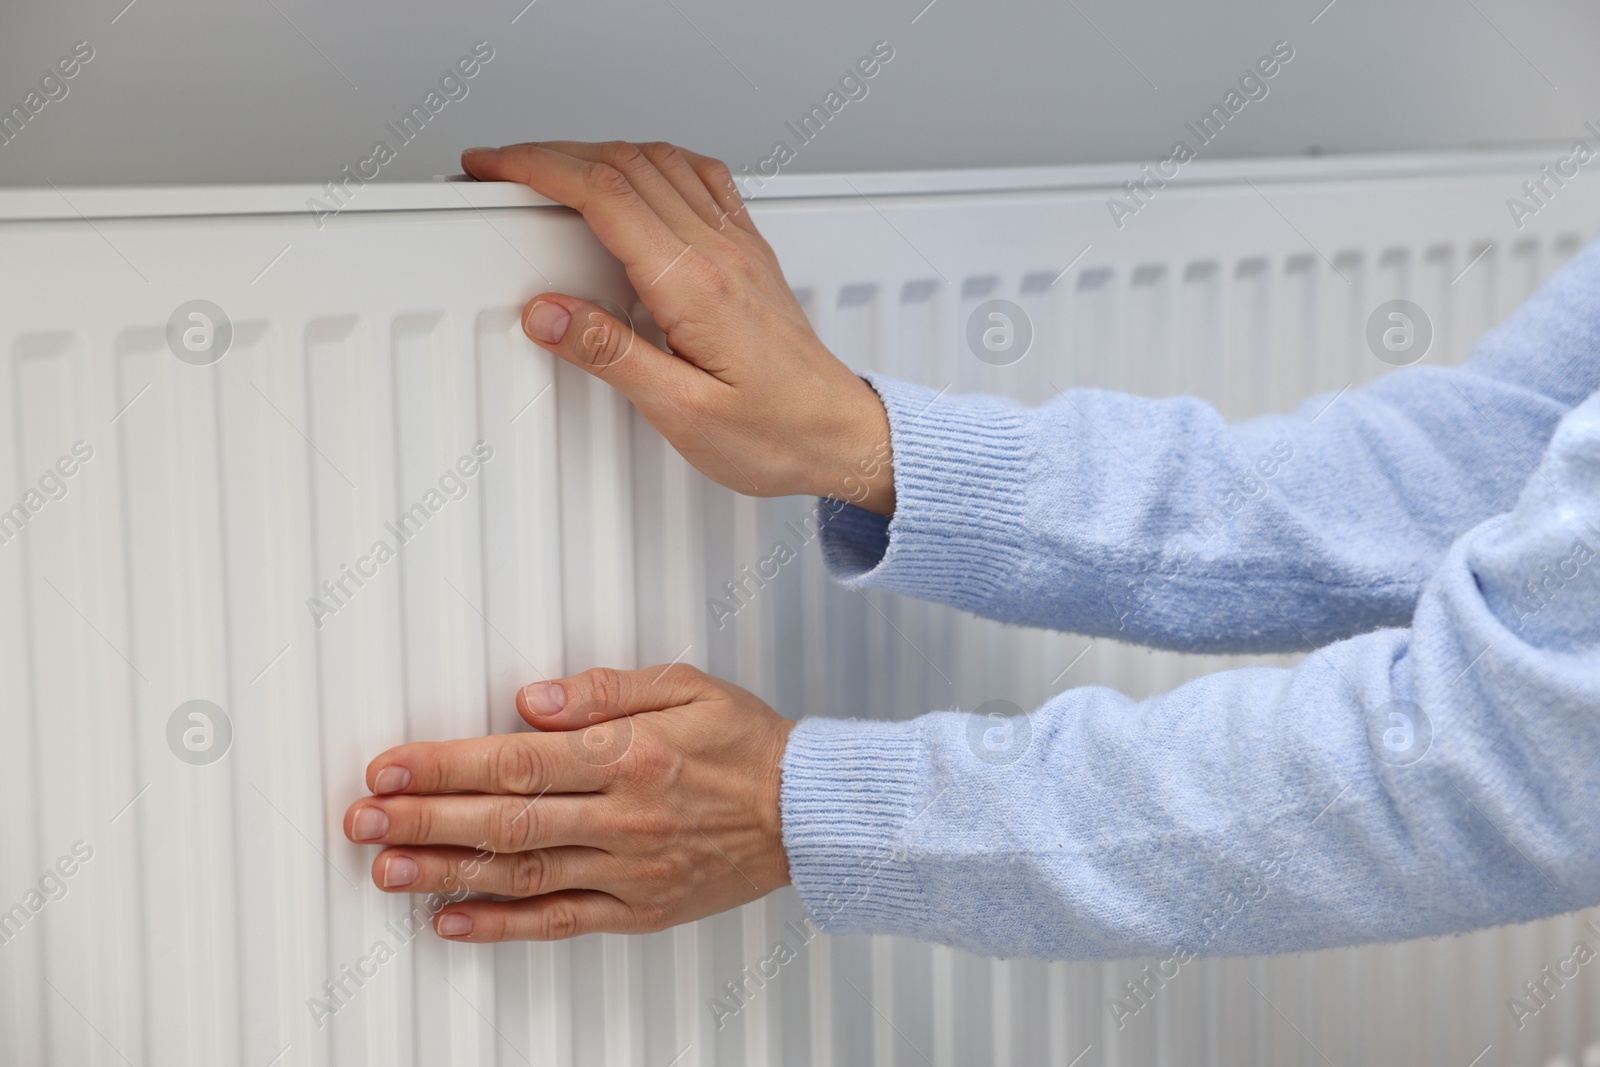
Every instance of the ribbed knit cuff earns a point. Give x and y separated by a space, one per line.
849 790
960 469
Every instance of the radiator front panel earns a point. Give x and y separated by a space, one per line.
184 560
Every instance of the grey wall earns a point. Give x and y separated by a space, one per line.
284 90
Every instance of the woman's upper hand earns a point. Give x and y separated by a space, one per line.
648 798
748 393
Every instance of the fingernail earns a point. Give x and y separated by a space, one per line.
400 870
369 824
546 322
544 698
454 924
391 780
470 151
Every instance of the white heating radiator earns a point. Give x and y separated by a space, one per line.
208 903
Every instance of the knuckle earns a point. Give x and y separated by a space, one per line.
622 155
531 874
755 246
558 922
647 823
720 180
715 173
651 762
456 879
709 277
654 916
604 180
683 676
658 872
604 685
518 768
422 823
739 258
515 827
661 153
610 773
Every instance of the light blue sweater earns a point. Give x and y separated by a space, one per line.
1433 767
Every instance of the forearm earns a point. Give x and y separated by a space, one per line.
1254 810
1155 521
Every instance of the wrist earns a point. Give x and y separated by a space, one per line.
861 466
772 807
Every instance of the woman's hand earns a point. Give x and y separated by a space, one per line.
748 394
606 820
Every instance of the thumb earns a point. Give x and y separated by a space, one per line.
588 336
601 694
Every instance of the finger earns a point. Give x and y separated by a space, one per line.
504 824
639 163
552 917
590 337
524 764
504 874
609 203
718 180
670 161
601 693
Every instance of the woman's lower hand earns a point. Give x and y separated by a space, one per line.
748 393
648 798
